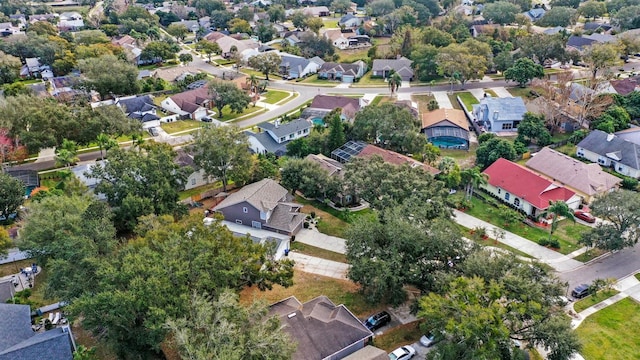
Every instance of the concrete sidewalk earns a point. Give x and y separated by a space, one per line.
501 92
315 238
558 261
314 265
628 287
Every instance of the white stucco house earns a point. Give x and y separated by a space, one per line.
193 103
273 138
611 151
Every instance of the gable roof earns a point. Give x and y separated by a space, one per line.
19 342
269 143
263 195
507 109
395 158
320 327
631 134
525 184
453 116
295 63
331 166
345 69
192 100
579 42
330 102
595 26
613 147
626 86
589 179
285 129
401 64
137 104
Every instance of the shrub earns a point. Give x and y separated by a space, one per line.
629 183
433 105
305 225
313 214
543 241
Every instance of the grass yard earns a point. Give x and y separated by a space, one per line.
350 56
468 99
14 267
454 101
199 190
567 232
332 222
275 96
591 300
589 255
259 74
606 334
423 102
227 115
313 79
368 80
180 125
637 276
381 99
309 286
318 252
399 336
331 23
491 92
466 232
525 92
223 61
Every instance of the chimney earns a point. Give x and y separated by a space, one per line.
610 137
277 123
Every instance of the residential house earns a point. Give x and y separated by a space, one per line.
631 134
333 168
321 329
29 178
524 189
626 86
385 67
33 68
597 27
534 14
350 21
611 151
586 180
263 205
81 171
360 149
602 38
191 25
62 87
70 21
172 74
20 19
42 17
138 107
316 11
499 114
446 128
347 73
229 45
274 137
324 104
293 67
192 104
7 29
579 43
7 288
483 29
369 352
19 341
346 40
196 177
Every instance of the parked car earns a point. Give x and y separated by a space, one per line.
402 353
584 216
154 131
428 340
207 119
378 320
581 291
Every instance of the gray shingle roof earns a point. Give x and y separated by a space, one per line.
579 42
506 108
7 289
286 128
137 104
613 147
269 144
320 327
15 324
295 63
264 195
391 64
285 217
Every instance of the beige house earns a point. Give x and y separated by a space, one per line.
586 180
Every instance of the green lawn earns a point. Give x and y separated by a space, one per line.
259 74
491 92
567 232
199 190
318 252
608 334
591 300
468 99
332 222
330 23
275 96
223 61
466 232
454 101
313 79
518 91
589 255
350 56
227 115
368 80
180 125
398 336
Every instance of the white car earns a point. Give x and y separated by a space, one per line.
428 340
402 353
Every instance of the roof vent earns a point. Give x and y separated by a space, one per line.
291 315
610 137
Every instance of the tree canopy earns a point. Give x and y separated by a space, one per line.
109 75
493 149
11 194
391 126
523 71
226 93
621 211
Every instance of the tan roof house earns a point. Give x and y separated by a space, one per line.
193 104
586 180
446 128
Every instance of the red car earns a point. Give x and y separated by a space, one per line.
584 216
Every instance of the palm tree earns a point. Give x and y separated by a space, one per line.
253 83
66 153
394 81
137 140
102 140
472 177
557 208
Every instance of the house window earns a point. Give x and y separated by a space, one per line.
516 202
507 196
239 222
291 136
499 191
507 126
193 181
299 132
306 131
283 139
245 210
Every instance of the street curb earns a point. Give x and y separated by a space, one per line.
603 256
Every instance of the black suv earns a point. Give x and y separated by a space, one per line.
581 291
378 320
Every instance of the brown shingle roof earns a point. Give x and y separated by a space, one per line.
330 102
454 116
395 158
626 86
263 195
191 100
